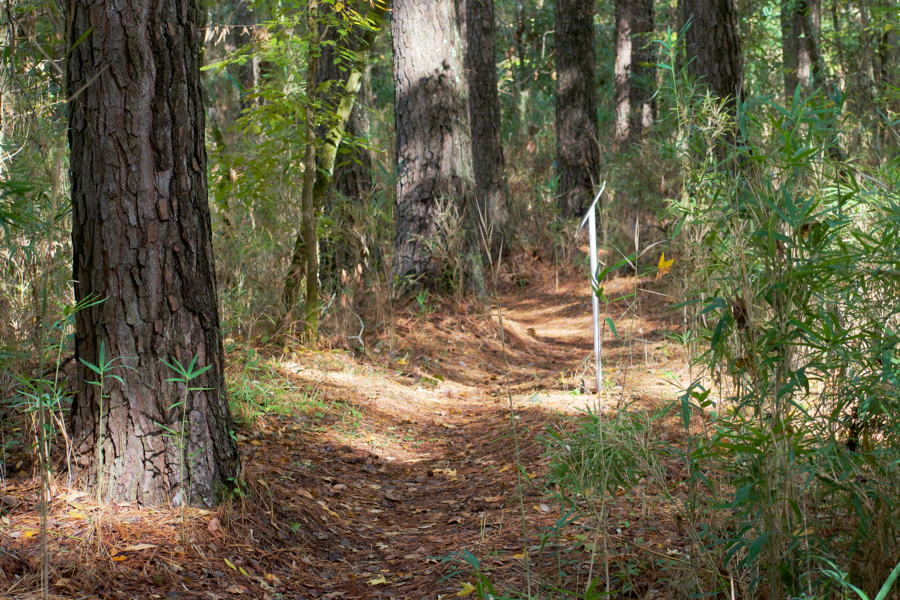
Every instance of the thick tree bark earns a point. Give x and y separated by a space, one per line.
714 49
577 154
634 84
484 111
142 247
434 154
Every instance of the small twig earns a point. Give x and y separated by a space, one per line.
362 328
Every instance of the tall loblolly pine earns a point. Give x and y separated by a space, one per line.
434 140
577 154
484 111
142 247
634 85
714 48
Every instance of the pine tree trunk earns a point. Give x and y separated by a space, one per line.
790 48
634 76
714 49
142 247
484 110
434 155
577 154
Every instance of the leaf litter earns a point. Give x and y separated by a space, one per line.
411 462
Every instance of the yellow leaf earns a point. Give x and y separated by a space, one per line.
467 588
378 581
520 555
230 564
401 362
664 265
241 569
339 6
119 558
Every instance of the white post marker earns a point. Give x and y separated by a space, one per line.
591 220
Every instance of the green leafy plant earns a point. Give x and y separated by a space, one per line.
103 369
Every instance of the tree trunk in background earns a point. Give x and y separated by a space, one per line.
634 76
484 111
888 78
797 44
353 171
577 154
790 48
243 22
434 139
714 49
142 247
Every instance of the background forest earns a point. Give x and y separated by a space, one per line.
319 174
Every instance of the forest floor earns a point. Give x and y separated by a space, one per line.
363 471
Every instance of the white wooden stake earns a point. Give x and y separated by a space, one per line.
591 219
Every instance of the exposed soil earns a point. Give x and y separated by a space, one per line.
405 456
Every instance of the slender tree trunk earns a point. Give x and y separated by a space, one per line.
243 25
889 81
353 171
484 110
434 139
577 154
714 49
142 249
634 76
310 220
301 260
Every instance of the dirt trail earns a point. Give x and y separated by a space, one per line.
408 457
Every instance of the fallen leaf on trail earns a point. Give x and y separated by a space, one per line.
137 547
230 564
392 496
305 493
236 589
378 581
77 514
243 571
333 595
412 556
340 487
664 265
520 555
74 496
467 588
256 442
119 558
543 508
455 520
213 525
